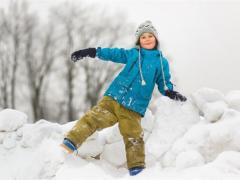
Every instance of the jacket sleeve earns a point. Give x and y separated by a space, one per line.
160 81
117 55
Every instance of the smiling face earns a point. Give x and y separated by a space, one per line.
148 41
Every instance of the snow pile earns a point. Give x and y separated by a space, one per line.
233 99
217 132
29 151
205 142
172 120
197 139
210 102
35 134
10 120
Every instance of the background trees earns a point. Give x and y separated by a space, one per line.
36 74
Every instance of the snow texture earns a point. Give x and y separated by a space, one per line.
197 139
11 120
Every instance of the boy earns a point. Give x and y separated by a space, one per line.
128 96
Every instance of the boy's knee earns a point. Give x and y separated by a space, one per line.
131 132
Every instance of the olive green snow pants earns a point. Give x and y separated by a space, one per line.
105 114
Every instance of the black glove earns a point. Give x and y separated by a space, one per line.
89 52
175 95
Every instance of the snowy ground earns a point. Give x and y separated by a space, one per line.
197 140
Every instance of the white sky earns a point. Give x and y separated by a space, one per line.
200 37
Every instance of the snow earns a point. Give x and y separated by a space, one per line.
188 159
10 120
233 99
198 139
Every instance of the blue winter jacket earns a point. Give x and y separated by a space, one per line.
126 88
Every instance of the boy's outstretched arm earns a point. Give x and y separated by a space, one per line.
117 55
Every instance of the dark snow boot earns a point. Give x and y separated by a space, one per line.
135 170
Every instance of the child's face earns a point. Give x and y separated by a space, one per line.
147 41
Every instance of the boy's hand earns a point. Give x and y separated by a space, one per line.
175 95
89 52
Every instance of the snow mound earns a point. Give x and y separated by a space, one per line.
34 134
210 102
188 159
207 139
11 120
233 100
172 120
197 139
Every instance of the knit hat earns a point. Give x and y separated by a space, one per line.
145 27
